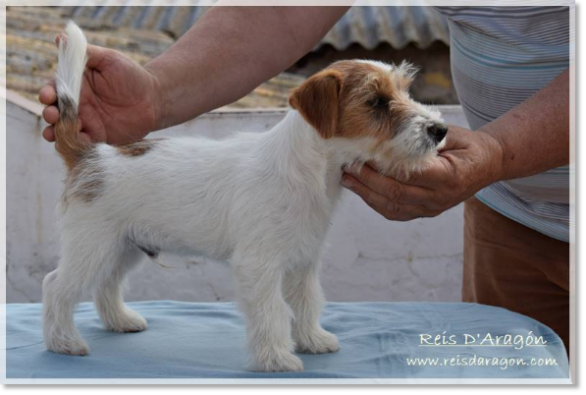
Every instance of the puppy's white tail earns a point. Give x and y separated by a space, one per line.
72 60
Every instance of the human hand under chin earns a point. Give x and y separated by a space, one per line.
118 100
468 162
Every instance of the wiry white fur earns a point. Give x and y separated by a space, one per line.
261 201
72 60
411 150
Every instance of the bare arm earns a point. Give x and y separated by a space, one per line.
230 51
530 138
224 56
535 135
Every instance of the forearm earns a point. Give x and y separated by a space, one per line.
229 52
534 136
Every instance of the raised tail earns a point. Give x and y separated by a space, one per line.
72 61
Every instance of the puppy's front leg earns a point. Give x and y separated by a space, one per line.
268 317
303 292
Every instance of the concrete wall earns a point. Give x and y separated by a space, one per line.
367 257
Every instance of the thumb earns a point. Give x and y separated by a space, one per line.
58 39
95 54
453 139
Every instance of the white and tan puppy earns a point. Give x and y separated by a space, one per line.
260 201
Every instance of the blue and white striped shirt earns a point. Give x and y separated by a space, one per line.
501 56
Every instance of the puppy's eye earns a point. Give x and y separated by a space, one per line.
379 103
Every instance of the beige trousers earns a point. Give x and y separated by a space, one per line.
509 265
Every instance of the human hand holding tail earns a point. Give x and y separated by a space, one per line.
116 103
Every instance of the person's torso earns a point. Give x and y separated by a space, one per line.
500 57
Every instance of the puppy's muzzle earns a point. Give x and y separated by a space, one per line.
437 132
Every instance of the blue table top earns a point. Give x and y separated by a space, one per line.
377 340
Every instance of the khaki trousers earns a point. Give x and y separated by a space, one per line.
509 265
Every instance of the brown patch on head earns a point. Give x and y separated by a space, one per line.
317 100
354 99
136 149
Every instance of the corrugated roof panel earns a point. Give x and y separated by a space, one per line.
31 54
366 26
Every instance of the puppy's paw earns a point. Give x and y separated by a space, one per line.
69 347
278 362
129 321
317 342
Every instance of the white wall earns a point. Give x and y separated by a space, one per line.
367 257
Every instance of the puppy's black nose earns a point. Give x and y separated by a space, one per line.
437 132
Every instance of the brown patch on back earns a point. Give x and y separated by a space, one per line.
85 180
88 191
136 149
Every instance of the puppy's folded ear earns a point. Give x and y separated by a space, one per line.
317 100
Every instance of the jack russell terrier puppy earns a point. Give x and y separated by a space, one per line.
260 201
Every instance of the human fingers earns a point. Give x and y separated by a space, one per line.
51 114
48 94
49 134
389 187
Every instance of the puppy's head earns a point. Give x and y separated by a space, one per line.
364 109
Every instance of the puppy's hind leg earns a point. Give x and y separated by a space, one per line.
108 292
61 293
84 255
303 292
